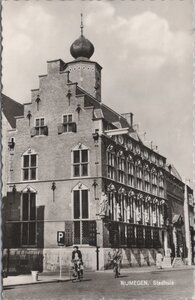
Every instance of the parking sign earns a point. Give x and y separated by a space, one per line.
60 238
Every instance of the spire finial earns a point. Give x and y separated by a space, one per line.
81 24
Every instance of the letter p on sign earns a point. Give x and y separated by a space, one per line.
60 238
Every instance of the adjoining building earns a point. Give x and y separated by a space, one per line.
78 166
179 216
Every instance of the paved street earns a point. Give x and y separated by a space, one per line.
156 285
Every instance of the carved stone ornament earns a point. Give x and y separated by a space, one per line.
120 153
110 148
138 162
111 188
146 167
140 196
155 200
153 170
103 205
122 191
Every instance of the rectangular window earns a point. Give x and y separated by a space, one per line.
111 165
67 122
154 179
81 213
139 184
121 176
130 168
161 192
80 163
161 182
30 167
76 205
85 213
121 169
139 172
130 171
80 204
39 126
130 180
146 176
29 218
147 187
154 189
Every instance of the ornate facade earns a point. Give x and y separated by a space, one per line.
80 167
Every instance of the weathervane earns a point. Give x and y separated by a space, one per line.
81 24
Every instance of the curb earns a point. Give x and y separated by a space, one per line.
147 271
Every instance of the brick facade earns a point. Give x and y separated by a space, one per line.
70 171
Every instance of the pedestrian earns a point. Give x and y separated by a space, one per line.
117 257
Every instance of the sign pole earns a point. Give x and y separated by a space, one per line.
60 264
61 242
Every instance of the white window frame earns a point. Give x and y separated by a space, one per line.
111 169
29 152
78 148
80 187
39 127
68 114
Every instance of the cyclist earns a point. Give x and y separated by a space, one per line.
77 260
117 259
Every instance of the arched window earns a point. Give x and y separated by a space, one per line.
121 166
81 214
28 216
147 178
154 181
29 165
130 171
111 172
139 174
80 161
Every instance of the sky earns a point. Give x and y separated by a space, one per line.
144 47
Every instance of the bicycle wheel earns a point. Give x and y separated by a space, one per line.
116 274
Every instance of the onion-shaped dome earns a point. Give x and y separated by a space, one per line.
82 47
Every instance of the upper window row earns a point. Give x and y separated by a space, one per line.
136 149
80 164
41 128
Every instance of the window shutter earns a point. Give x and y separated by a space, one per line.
45 130
60 128
33 131
74 127
68 233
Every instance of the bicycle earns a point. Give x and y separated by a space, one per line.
115 269
76 271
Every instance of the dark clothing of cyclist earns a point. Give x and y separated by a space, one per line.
77 258
76 255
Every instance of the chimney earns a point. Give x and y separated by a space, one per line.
128 117
131 119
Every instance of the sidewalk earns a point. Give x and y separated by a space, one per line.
149 269
27 279
55 277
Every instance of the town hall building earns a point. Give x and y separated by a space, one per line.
77 166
